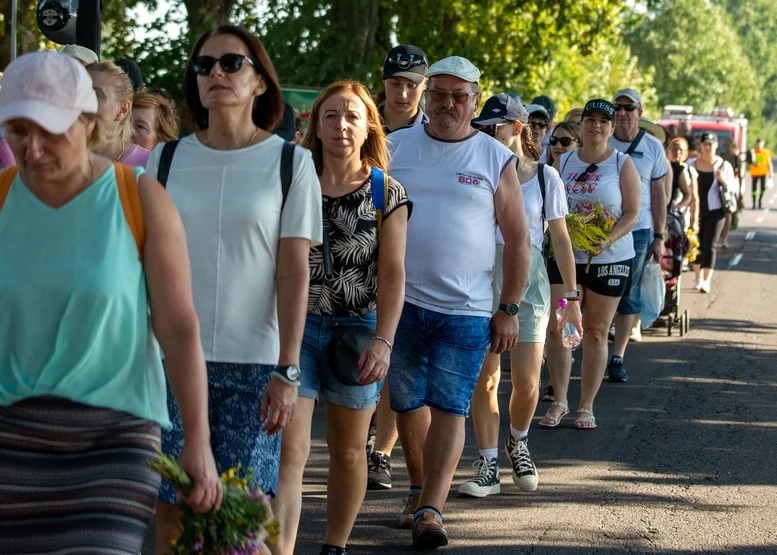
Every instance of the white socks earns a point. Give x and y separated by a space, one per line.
518 434
489 454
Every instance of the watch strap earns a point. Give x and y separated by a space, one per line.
284 379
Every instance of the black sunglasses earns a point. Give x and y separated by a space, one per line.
230 63
627 107
540 124
491 129
565 141
583 177
405 61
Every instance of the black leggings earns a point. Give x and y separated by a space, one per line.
710 228
756 193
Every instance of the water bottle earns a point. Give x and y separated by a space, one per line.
569 336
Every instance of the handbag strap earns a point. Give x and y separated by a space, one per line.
635 143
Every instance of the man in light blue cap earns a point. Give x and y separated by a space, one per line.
463 184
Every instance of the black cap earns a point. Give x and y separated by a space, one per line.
133 71
499 108
546 103
708 137
600 105
406 61
288 127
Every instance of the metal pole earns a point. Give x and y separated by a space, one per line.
13 30
88 28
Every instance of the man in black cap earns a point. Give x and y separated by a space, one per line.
133 72
404 78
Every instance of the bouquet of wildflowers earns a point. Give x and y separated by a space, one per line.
694 244
240 527
588 226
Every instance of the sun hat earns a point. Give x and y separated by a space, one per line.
48 88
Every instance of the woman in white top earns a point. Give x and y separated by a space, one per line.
504 118
595 173
249 255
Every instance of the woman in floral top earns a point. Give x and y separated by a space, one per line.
347 139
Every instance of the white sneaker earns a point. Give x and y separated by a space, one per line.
705 287
697 284
636 335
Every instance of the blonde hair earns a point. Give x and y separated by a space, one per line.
100 135
373 152
574 112
122 89
166 118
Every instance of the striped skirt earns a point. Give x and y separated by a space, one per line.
73 479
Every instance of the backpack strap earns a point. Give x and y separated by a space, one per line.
635 143
166 161
129 194
541 179
379 183
287 170
6 178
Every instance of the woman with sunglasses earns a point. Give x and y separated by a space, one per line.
357 281
566 137
249 250
593 174
504 118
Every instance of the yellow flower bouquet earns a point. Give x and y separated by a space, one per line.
244 522
588 226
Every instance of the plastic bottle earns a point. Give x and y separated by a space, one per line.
570 338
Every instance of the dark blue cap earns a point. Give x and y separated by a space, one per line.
499 108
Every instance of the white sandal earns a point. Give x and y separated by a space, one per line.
587 422
548 421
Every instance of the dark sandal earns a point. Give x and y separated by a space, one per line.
548 396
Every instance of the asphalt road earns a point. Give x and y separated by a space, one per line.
683 461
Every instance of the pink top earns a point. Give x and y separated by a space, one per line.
6 156
135 156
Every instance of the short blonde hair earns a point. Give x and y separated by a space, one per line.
122 89
166 117
100 135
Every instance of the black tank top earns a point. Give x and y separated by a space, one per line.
706 179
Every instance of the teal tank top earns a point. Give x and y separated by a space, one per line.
74 314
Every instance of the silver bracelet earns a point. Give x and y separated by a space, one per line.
386 341
284 379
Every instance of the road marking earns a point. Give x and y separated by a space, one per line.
750 235
759 220
735 261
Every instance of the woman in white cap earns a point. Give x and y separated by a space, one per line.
91 247
504 118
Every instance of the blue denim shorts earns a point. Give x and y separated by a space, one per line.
436 360
317 377
234 401
631 303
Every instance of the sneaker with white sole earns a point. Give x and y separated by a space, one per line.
485 483
697 284
524 470
704 287
636 335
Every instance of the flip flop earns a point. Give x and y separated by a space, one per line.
548 395
587 422
549 421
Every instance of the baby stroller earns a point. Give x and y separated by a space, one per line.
676 247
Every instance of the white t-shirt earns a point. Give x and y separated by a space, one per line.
230 204
450 238
556 206
650 159
602 185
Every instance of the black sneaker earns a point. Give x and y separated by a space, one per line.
378 471
524 471
615 370
485 483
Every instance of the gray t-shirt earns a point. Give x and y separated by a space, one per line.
650 159
450 238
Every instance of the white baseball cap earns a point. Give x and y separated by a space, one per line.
82 53
48 88
631 94
456 66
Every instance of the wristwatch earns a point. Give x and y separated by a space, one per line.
288 374
511 309
573 295
661 236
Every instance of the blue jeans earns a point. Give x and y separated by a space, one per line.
436 360
316 376
631 303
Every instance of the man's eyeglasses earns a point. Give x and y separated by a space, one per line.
459 97
583 177
627 107
565 141
405 61
491 129
538 124
230 63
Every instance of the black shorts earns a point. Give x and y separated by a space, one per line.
610 280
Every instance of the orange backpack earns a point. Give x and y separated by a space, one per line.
129 194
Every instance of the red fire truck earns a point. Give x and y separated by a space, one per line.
722 122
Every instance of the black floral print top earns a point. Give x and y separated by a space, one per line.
353 241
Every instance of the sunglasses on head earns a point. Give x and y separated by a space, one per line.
565 141
491 129
539 124
405 61
230 63
583 177
459 97
627 107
